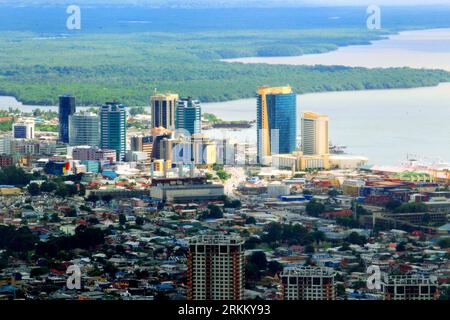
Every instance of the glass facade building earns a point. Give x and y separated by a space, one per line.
276 121
113 124
189 116
84 129
66 108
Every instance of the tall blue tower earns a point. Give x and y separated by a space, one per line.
276 121
66 108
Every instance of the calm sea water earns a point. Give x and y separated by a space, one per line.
428 49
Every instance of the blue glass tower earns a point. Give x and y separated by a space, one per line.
276 121
113 128
189 116
66 108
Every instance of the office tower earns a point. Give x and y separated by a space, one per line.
409 287
163 110
308 283
315 134
23 129
66 108
276 121
113 124
189 115
84 129
5 144
142 144
216 268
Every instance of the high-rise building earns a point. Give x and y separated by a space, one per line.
66 108
113 128
308 283
315 134
276 121
5 144
144 144
24 129
84 129
189 115
163 110
216 268
409 287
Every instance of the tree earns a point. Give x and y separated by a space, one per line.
15 176
33 189
252 272
107 198
444 243
139 221
122 219
250 220
92 198
274 267
309 249
71 190
340 290
208 176
223 175
412 207
355 238
392 205
61 192
401 247
215 212
48 186
258 258
274 233
314 208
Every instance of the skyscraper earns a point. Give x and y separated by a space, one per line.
315 134
276 121
163 110
66 108
189 115
84 129
216 268
113 123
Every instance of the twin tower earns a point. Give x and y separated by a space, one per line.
277 125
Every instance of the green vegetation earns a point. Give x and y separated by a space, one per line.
14 176
127 67
47 127
6 126
411 208
314 208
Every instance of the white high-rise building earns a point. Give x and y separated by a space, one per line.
315 134
5 144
